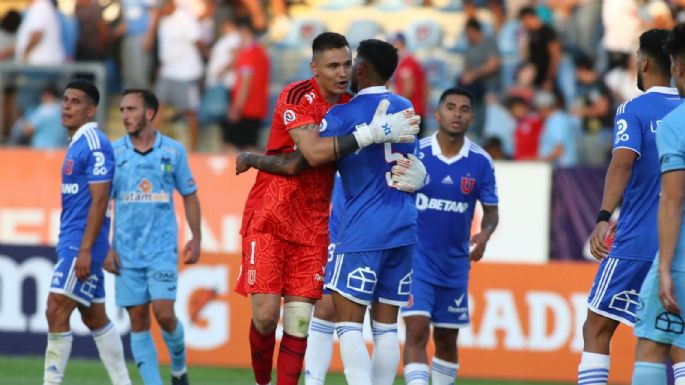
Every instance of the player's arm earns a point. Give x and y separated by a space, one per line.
288 164
670 220
317 150
99 193
191 204
487 227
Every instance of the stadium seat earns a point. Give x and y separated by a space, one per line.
450 5
423 34
397 5
436 71
361 29
302 32
336 5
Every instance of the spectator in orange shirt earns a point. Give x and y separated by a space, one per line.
249 98
410 79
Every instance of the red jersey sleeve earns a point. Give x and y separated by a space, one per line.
295 115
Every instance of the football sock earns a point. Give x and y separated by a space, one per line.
145 356
416 374
443 372
317 358
355 356
56 357
386 353
646 373
111 350
290 359
262 349
593 369
175 343
679 373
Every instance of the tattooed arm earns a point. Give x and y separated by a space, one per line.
288 164
317 150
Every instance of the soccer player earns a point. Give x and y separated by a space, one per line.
285 222
632 177
377 231
460 174
144 256
659 322
78 280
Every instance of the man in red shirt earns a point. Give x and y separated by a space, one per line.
285 222
527 131
410 78
250 94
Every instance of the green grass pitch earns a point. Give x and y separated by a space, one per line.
29 371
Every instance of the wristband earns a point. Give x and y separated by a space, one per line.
603 216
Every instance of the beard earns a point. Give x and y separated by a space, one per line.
640 82
138 127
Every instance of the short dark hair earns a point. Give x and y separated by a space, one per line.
527 11
381 55
472 23
10 22
455 91
150 100
245 22
328 40
652 44
583 61
87 87
513 100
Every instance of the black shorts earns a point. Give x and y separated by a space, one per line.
242 133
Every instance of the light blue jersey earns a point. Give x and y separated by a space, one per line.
376 216
145 225
89 159
445 210
670 141
635 125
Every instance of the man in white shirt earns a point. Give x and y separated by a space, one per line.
38 37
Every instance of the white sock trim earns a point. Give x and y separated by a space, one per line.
594 360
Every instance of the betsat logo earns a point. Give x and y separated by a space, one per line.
425 203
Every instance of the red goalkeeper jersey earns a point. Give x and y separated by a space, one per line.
293 208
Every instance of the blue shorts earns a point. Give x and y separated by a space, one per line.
64 281
446 307
140 286
653 321
329 268
379 275
616 289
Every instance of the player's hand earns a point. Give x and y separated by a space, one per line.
112 262
241 164
598 248
666 292
82 266
400 127
409 174
477 246
191 253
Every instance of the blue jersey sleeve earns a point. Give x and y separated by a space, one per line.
100 165
332 124
185 183
627 129
671 147
488 189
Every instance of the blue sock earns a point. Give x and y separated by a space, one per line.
145 355
175 342
649 373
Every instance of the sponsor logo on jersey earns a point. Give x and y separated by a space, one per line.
68 166
145 194
69 188
289 117
425 203
310 96
467 185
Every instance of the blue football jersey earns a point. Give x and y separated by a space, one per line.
634 126
89 159
337 207
670 141
376 216
446 206
144 219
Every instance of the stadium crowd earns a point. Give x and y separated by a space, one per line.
547 75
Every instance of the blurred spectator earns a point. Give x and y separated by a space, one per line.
8 33
138 28
593 107
660 14
524 82
220 77
499 124
580 22
558 138
622 81
248 106
678 10
93 32
481 66
493 146
528 128
44 125
39 37
410 78
181 68
622 27
543 48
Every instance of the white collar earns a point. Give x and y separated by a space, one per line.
373 90
82 130
663 90
437 151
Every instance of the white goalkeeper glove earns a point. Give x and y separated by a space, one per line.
400 127
409 174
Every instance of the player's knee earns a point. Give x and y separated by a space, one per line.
166 319
296 318
417 337
596 327
445 340
265 322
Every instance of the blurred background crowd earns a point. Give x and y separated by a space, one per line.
547 75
